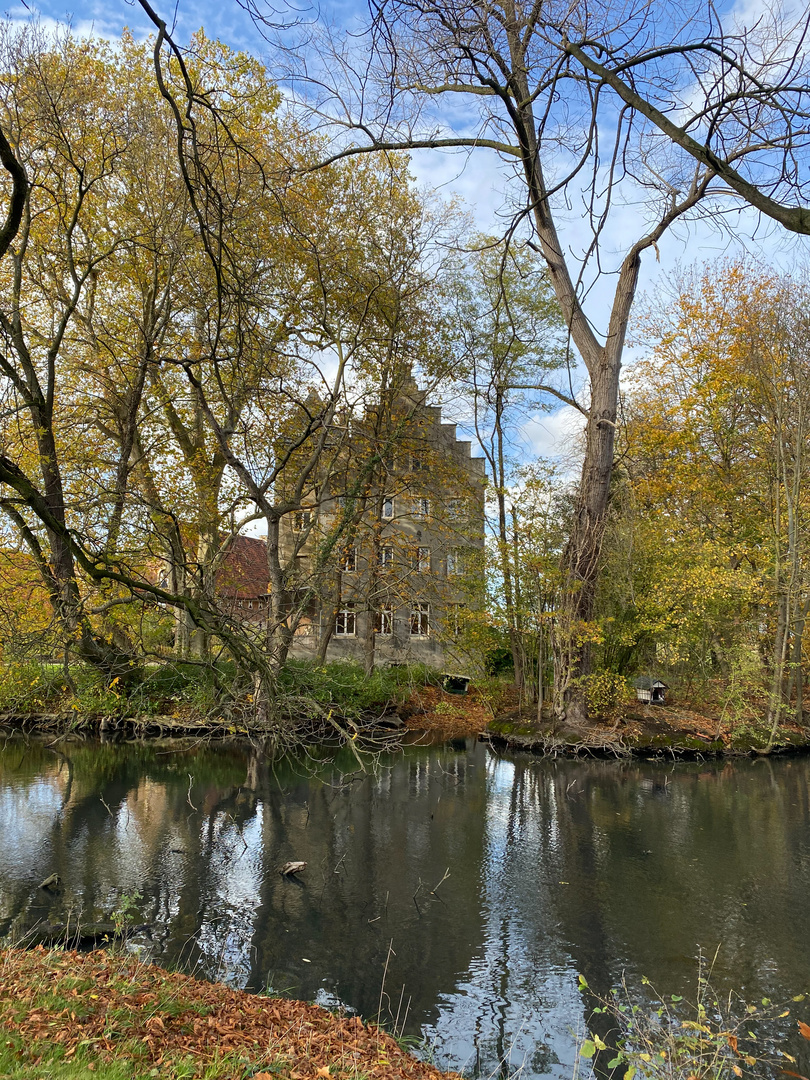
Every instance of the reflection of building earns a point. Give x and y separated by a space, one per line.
387 559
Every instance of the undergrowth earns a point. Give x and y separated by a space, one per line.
184 689
710 1037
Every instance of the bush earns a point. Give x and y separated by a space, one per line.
710 1038
31 687
345 687
606 690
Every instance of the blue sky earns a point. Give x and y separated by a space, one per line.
479 181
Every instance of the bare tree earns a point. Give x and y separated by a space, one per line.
596 105
509 331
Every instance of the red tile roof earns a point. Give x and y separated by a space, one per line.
243 572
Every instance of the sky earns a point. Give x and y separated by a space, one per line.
479 181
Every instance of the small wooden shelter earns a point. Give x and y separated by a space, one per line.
650 691
456 684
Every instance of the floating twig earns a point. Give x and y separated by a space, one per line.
445 876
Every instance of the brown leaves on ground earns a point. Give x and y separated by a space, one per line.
451 716
100 1003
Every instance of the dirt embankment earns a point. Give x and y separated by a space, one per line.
643 730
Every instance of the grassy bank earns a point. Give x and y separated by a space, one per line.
65 1016
310 702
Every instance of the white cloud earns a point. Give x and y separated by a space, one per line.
557 436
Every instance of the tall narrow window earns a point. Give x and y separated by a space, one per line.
346 621
420 620
455 620
302 519
387 556
421 507
384 624
349 565
388 507
453 562
421 560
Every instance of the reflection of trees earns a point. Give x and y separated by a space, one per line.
368 844
697 854
205 856
112 828
517 1000
555 868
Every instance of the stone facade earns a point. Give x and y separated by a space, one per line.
400 517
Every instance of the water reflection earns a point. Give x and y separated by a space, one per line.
555 868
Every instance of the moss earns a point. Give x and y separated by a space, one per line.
508 728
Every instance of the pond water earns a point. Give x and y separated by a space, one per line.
460 891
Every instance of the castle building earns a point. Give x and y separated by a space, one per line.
385 556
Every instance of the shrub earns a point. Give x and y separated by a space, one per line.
606 690
709 1038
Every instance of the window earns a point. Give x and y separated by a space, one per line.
387 556
421 507
421 560
388 507
417 463
349 564
455 509
346 621
384 623
454 561
420 620
455 620
302 519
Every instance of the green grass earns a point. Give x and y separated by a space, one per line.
130 1063
177 686
65 1016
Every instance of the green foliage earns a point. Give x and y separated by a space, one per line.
706 571
742 703
672 1038
499 660
126 912
605 690
168 686
346 687
28 687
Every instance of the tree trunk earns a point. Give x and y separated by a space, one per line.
573 629
278 633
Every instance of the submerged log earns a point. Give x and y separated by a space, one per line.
76 935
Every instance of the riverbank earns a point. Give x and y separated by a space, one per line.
649 731
425 711
65 1015
640 731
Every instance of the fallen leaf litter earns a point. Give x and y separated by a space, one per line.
171 1014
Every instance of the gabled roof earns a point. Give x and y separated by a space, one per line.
646 683
243 573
